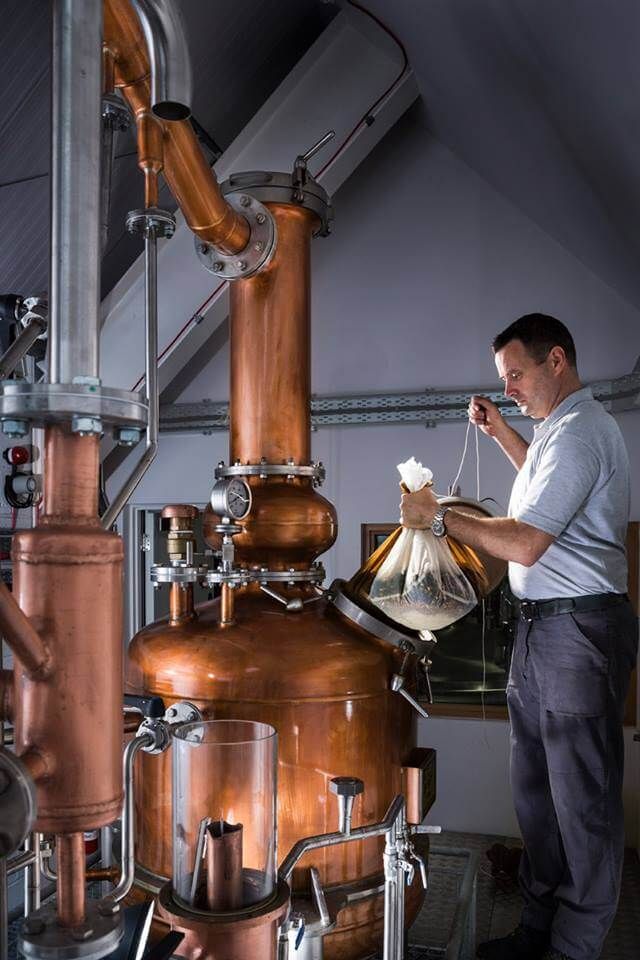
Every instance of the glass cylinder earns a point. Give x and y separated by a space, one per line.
224 814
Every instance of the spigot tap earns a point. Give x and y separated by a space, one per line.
346 789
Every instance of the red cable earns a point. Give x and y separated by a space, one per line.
363 121
191 319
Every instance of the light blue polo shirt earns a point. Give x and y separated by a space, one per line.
575 485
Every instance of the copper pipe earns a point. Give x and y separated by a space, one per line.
70 477
104 873
224 866
227 605
108 70
6 695
150 154
21 636
181 603
270 349
71 872
186 171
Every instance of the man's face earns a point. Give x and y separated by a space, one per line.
531 384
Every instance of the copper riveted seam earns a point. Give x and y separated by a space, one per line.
186 171
71 879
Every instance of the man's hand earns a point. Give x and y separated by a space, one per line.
417 510
485 414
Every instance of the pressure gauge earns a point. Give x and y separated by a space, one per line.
231 498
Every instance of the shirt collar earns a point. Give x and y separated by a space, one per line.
578 396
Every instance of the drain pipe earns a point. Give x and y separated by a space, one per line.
171 84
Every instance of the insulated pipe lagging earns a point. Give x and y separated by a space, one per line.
171 85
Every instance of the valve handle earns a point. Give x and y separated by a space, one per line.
311 152
149 706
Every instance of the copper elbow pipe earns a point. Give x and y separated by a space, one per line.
25 642
186 171
71 879
6 695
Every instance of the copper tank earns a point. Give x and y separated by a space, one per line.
321 681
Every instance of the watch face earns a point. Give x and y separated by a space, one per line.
238 499
438 527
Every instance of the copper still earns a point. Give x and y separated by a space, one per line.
321 681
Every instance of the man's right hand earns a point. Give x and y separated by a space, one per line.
485 414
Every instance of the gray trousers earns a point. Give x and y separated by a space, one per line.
566 692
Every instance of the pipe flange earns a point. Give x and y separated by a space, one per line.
17 803
314 574
44 403
269 187
141 221
257 254
42 937
231 578
315 471
177 573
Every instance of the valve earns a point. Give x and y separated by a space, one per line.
300 172
398 686
346 789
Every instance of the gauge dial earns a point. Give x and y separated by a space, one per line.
231 498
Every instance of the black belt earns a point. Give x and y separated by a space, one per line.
540 609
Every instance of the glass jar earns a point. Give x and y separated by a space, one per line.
224 814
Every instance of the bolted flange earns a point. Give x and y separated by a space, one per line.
141 221
258 251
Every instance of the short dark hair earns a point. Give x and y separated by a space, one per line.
539 333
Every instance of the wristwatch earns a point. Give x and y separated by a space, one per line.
438 528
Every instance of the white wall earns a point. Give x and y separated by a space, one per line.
426 265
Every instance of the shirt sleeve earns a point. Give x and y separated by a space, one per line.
565 476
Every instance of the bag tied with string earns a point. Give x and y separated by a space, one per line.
413 576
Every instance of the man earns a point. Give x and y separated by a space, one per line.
576 642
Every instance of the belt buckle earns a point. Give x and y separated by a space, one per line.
528 610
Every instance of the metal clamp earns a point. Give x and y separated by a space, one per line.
180 573
315 471
313 574
259 250
371 624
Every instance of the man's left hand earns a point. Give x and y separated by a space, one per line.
417 510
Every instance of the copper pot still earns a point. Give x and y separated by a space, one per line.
321 681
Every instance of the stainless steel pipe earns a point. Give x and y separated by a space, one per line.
75 190
127 870
393 826
114 509
171 85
